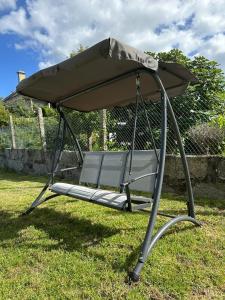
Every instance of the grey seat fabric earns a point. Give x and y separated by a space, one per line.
109 198
112 169
91 167
144 161
81 192
103 197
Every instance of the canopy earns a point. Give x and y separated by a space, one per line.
104 76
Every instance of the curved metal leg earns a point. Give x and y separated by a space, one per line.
135 275
149 240
159 180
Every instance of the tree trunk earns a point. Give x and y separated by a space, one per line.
13 136
89 142
103 130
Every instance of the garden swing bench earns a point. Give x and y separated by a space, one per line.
107 75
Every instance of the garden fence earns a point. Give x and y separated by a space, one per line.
112 129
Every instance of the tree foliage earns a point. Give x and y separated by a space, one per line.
201 102
4 115
79 50
20 108
204 95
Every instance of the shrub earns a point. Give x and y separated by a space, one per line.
5 137
205 139
4 115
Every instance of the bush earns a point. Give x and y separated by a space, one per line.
205 139
4 115
51 126
5 138
21 108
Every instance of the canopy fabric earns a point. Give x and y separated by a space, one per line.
102 62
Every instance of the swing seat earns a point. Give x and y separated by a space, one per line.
110 169
98 196
103 77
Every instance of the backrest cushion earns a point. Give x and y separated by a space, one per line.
113 168
144 161
91 167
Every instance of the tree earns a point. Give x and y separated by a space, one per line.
205 94
79 50
4 115
197 105
21 109
84 125
202 99
88 122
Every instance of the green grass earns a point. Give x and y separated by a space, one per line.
68 249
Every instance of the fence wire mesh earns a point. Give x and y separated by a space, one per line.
112 130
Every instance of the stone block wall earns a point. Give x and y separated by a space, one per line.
207 175
207 172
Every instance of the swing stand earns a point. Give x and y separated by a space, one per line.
125 171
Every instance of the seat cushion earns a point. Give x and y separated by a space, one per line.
109 198
98 196
77 191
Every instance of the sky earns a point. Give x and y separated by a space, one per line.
35 34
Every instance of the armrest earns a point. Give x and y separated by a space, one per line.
66 169
124 184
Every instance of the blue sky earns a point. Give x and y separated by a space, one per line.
37 33
12 60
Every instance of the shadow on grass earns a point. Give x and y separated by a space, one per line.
62 230
65 232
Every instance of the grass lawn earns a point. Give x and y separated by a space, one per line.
68 249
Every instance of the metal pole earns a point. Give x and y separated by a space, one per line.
148 236
190 203
55 161
72 134
135 122
150 129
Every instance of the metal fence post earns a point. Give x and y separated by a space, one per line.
12 129
42 128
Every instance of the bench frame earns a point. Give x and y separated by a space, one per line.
149 240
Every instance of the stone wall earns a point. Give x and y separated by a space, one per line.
207 175
207 172
36 162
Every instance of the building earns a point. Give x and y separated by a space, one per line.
15 97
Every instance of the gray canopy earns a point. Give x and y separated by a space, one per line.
104 76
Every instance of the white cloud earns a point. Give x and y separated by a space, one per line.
7 4
55 27
15 22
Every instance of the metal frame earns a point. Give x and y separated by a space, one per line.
149 240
